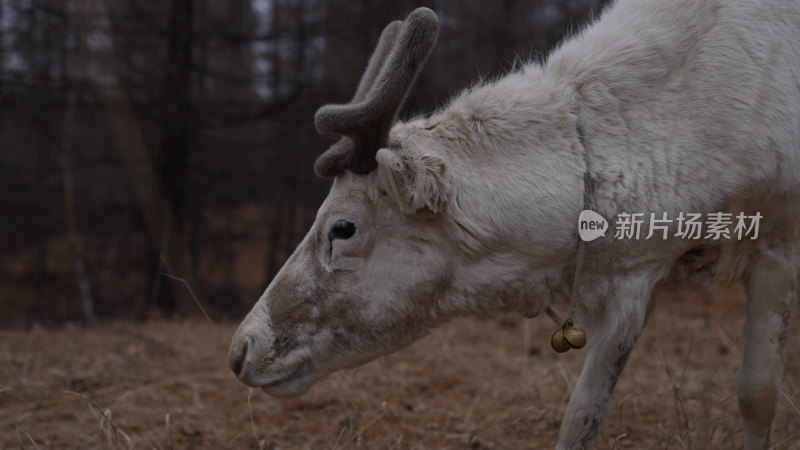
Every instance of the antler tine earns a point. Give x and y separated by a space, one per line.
340 153
365 124
377 60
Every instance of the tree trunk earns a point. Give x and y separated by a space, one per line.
176 107
176 121
126 127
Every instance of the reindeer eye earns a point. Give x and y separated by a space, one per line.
342 229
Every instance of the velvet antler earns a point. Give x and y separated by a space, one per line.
363 124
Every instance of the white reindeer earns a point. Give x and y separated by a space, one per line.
661 106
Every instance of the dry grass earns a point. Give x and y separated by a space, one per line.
472 384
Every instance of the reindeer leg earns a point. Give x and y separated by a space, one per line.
772 290
590 400
609 347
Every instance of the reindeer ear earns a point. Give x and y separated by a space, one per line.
415 181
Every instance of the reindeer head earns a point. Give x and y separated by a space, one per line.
379 266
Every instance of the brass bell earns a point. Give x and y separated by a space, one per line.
575 337
559 341
568 337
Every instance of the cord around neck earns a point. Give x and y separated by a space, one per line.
576 290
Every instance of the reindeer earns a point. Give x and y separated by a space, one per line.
673 106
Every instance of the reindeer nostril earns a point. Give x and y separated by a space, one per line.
239 356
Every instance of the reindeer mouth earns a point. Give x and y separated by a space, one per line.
294 384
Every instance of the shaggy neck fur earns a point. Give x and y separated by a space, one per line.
518 246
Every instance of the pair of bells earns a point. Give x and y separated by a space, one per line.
568 337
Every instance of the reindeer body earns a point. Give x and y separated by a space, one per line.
680 106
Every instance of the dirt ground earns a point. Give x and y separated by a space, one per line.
470 384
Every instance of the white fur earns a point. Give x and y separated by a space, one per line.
680 105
